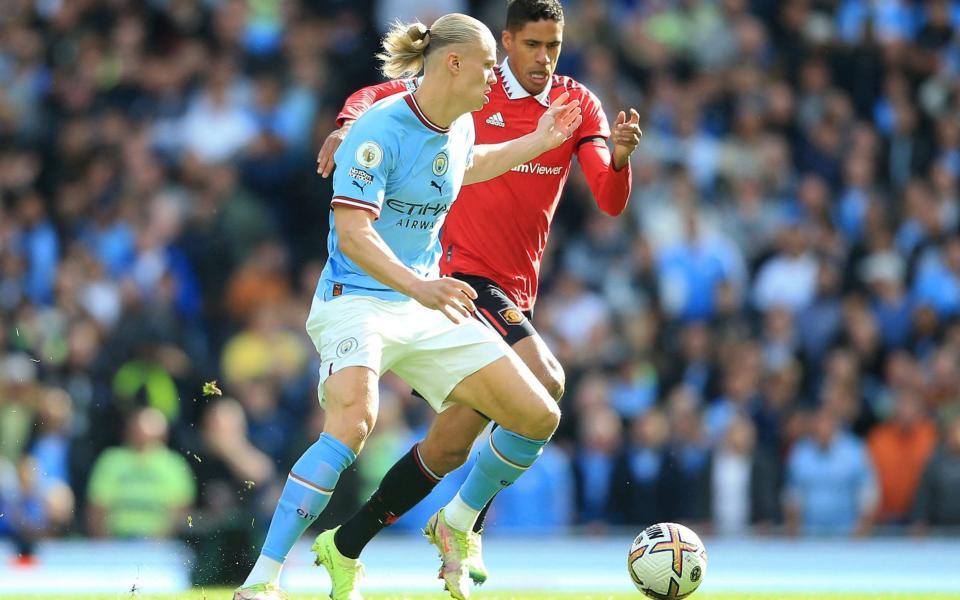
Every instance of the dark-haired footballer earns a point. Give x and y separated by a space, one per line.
493 239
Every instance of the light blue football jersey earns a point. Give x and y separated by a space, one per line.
405 170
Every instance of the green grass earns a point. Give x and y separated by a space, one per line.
221 593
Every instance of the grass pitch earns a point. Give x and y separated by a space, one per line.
224 593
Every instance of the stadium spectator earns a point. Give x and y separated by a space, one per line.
34 505
691 271
780 394
788 279
830 484
937 283
740 396
900 449
261 281
816 326
744 482
638 494
634 387
693 364
883 271
593 464
935 502
50 446
266 348
19 392
140 489
39 245
215 126
942 386
579 319
686 473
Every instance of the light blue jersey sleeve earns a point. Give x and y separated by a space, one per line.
364 161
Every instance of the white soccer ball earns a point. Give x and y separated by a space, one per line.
667 561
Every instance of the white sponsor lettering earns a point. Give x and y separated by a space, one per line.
537 169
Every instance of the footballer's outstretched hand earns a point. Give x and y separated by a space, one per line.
325 157
625 137
559 121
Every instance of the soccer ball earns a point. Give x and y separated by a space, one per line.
667 561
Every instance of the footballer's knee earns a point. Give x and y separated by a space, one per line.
350 402
351 426
542 422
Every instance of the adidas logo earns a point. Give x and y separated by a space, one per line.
496 119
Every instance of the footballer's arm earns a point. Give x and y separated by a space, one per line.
361 243
556 125
609 177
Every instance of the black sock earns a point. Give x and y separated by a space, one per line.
478 525
406 483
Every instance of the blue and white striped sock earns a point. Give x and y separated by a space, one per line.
501 461
306 493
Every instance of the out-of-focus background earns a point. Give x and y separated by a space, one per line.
765 343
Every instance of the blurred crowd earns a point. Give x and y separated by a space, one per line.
766 341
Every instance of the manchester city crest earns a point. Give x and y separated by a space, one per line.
346 346
440 164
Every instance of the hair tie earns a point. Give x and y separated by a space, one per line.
427 32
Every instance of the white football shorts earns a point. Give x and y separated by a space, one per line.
419 344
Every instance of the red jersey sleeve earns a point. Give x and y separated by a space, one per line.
364 98
610 187
594 123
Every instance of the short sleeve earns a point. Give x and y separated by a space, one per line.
594 125
363 160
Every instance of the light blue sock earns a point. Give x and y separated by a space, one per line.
501 461
306 493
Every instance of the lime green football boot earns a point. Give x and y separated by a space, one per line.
345 573
259 591
453 548
474 560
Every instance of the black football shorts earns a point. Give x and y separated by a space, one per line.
497 311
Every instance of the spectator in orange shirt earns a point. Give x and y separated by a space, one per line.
263 280
900 449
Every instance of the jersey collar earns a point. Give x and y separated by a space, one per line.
515 91
412 103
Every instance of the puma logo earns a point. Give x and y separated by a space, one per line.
357 183
437 185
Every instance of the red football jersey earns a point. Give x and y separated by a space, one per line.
498 228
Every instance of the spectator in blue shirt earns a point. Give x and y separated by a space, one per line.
830 484
817 325
40 245
593 464
691 271
891 307
937 283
